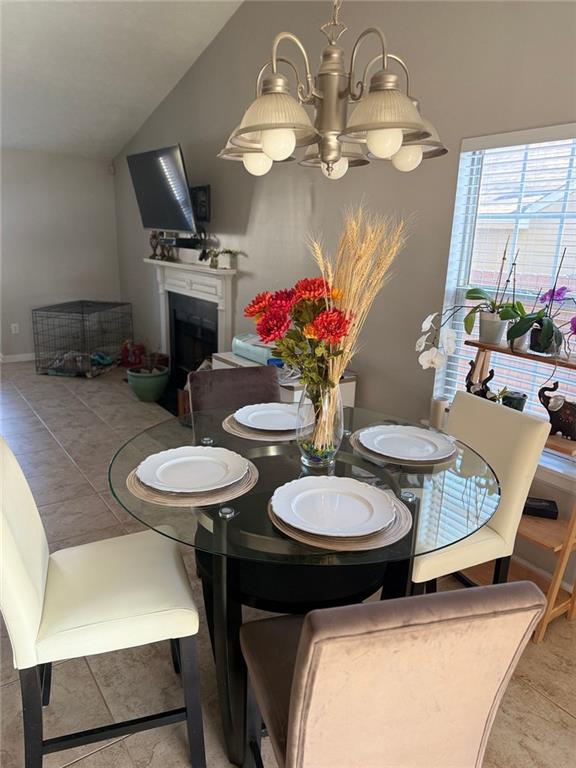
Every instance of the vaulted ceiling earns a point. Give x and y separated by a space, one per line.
80 78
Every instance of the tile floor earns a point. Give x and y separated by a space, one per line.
64 432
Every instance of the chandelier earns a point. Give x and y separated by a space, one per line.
385 124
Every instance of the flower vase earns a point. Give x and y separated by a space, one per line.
553 347
320 425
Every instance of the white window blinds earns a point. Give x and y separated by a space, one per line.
523 193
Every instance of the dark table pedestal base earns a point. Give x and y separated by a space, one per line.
229 583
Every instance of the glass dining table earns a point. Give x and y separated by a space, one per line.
243 559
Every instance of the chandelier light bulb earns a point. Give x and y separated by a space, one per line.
339 168
257 163
407 158
278 143
384 142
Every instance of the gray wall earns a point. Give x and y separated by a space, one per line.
478 68
58 237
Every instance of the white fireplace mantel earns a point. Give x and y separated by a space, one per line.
199 282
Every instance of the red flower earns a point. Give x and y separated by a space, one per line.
273 324
331 326
258 305
284 299
312 288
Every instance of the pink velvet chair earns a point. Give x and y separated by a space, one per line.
409 683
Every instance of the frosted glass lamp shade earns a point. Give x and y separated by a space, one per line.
236 152
272 111
432 146
383 109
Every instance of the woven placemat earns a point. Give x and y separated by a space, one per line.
231 426
145 493
379 458
393 533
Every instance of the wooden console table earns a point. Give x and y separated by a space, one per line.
482 368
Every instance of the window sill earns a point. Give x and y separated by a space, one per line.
557 470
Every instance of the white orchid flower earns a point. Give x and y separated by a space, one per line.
432 358
427 323
421 343
448 340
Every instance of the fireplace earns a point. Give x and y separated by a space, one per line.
196 310
193 334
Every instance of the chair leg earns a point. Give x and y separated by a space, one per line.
253 756
431 586
418 588
175 653
45 671
501 568
31 691
191 683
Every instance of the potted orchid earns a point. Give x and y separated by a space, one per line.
438 340
315 325
546 336
494 310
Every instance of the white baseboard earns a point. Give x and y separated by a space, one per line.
25 357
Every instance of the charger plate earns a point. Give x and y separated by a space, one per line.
231 426
403 443
167 499
390 535
378 458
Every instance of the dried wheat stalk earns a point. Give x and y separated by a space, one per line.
359 269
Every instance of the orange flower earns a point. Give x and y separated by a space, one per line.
310 331
258 305
337 294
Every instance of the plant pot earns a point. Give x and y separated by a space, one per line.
492 329
552 348
147 385
521 344
515 400
321 426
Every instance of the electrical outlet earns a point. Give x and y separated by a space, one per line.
15 328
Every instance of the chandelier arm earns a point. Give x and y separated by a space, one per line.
357 89
379 58
305 93
269 64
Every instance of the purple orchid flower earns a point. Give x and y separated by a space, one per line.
558 294
573 324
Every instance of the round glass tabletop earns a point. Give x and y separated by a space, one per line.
448 501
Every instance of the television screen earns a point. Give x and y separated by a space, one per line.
162 192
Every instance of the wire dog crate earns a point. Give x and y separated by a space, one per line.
80 338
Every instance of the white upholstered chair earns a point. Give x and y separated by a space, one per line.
99 597
511 442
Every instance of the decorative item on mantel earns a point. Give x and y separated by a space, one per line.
562 412
385 125
316 324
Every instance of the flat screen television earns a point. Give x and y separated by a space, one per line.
162 191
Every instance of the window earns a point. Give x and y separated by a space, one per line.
520 188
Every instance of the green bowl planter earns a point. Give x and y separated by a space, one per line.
148 385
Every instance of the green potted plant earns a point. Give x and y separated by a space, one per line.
148 381
545 336
494 310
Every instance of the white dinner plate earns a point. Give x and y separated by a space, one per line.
333 506
274 417
396 441
192 469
